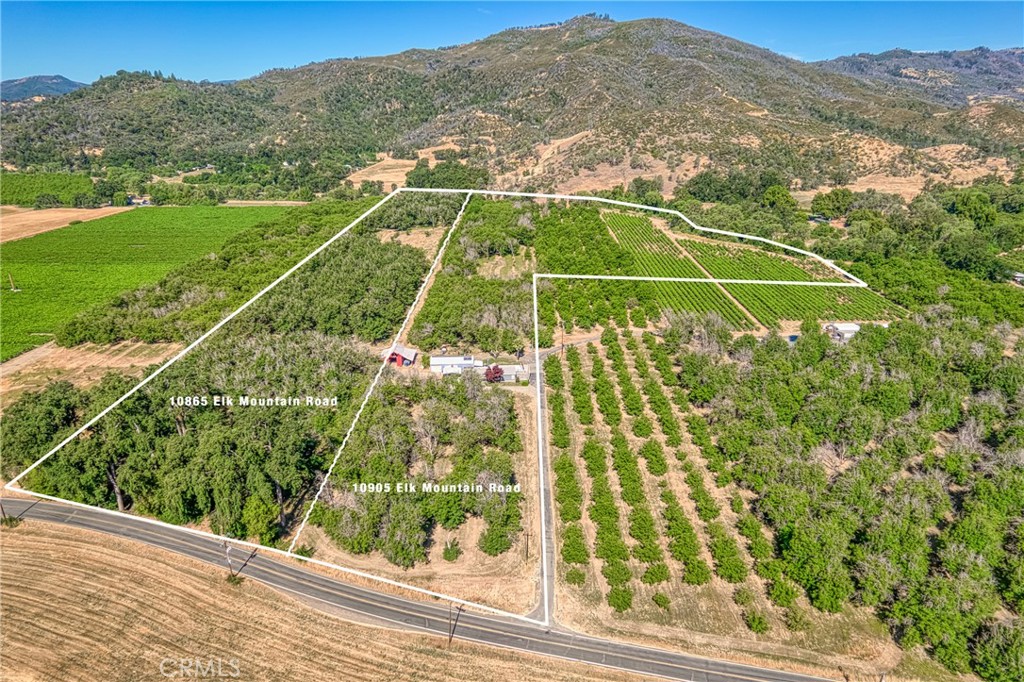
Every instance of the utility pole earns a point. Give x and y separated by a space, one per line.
227 555
452 625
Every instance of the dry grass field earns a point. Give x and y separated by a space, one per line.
17 222
82 365
83 606
389 171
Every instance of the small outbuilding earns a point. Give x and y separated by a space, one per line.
400 355
514 373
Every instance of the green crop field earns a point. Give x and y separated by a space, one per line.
63 272
740 263
23 188
654 254
773 302
700 298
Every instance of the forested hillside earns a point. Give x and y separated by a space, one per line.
650 95
950 77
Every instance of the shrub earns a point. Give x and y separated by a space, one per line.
642 427
620 599
696 572
759 546
655 457
452 550
783 592
655 573
661 600
560 433
643 530
575 577
756 621
999 652
770 569
305 551
683 543
662 409
568 493
743 596
726 554
626 467
797 619
616 572
707 508
574 546
553 376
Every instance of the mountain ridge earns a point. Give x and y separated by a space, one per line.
17 89
950 76
653 96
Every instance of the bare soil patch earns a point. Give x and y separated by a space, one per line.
82 365
389 171
507 267
426 239
17 222
84 606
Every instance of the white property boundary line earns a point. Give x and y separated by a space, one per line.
654 209
380 370
545 569
195 343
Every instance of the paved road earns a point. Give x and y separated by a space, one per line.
314 588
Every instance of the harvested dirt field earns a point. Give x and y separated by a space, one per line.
82 365
17 222
84 606
389 171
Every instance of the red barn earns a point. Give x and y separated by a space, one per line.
400 355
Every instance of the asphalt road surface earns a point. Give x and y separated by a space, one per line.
433 618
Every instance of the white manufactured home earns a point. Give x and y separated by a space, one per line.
453 364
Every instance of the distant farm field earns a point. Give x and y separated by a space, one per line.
63 272
19 222
21 189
